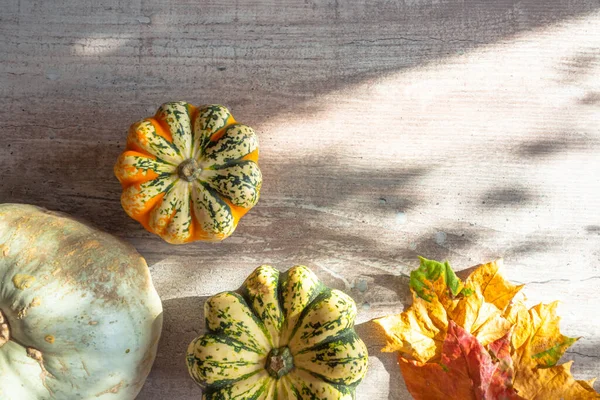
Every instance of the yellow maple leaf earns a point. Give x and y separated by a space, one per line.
494 288
538 329
484 306
537 345
536 383
419 332
481 313
438 296
481 319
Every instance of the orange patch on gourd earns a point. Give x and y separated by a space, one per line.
236 211
198 233
219 134
136 204
162 129
129 174
164 221
143 214
252 156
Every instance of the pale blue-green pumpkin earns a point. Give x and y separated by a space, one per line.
79 316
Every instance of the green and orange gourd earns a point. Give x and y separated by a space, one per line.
280 336
189 173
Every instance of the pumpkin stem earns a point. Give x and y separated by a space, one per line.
279 362
4 330
188 170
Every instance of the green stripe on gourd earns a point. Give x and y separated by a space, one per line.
341 361
239 182
219 360
228 313
298 288
143 135
129 166
260 291
283 388
213 214
176 115
209 120
326 317
308 387
172 217
237 142
324 360
135 197
255 387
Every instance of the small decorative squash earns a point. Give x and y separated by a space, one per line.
281 336
79 316
189 173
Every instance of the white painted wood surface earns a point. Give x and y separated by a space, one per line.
466 130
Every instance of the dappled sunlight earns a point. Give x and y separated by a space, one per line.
487 153
493 153
179 329
500 141
98 46
457 130
515 87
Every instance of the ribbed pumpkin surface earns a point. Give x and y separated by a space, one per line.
79 316
189 173
272 314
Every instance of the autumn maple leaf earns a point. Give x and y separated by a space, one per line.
537 346
466 370
439 296
483 307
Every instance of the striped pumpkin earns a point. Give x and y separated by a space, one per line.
189 173
281 336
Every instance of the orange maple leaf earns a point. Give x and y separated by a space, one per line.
537 346
466 370
438 296
484 307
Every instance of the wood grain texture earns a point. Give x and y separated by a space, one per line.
466 130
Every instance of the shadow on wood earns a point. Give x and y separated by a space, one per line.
374 337
183 322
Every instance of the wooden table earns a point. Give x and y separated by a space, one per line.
448 129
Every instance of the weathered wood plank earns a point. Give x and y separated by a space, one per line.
459 130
